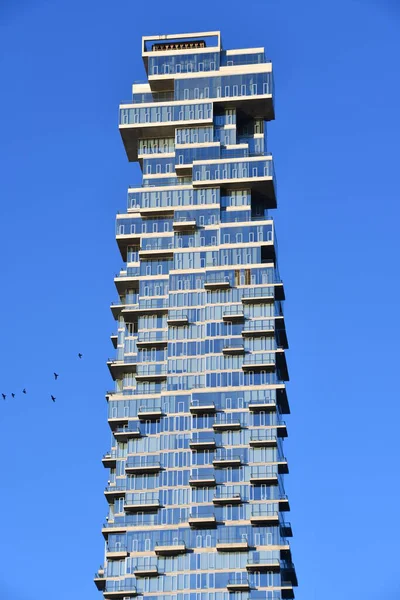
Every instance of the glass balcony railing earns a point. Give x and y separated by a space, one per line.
259 360
157 244
151 370
268 325
153 303
194 111
142 461
152 336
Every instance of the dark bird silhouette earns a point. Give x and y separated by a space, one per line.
13 395
80 355
53 398
4 396
24 391
56 376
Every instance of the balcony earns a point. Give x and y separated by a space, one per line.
255 173
286 529
263 477
238 585
264 517
170 548
154 121
227 461
149 413
266 405
183 224
197 408
123 434
116 552
109 460
232 545
153 339
156 252
206 521
146 372
223 498
263 564
177 319
263 440
233 314
99 580
263 295
217 282
127 590
146 570
283 466
115 491
141 505
113 528
202 444
227 424
203 479
126 240
256 329
256 362
138 465
155 306
232 349
287 592
114 340
118 368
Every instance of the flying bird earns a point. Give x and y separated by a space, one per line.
53 398
4 396
56 376
80 355
13 395
24 391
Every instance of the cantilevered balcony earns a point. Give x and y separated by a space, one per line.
197 520
134 505
184 224
217 281
159 248
150 372
263 440
109 460
226 422
238 584
254 173
258 329
119 368
112 527
155 306
202 408
116 490
136 465
286 529
287 592
177 318
170 548
233 314
152 339
201 443
100 580
125 240
114 340
261 565
116 590
264 517
128 432
263 476
227 497
220 462
262 405
116 552
149 413
146 570
232 545
264 294
260 362
152 121
233 348
203 478
127 279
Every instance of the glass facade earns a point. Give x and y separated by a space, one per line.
196 495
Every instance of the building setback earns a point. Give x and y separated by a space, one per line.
197 503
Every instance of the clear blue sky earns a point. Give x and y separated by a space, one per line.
64 67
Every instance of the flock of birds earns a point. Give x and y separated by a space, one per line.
56 376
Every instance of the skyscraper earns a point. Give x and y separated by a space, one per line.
197 504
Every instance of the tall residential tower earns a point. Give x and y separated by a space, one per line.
197 503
